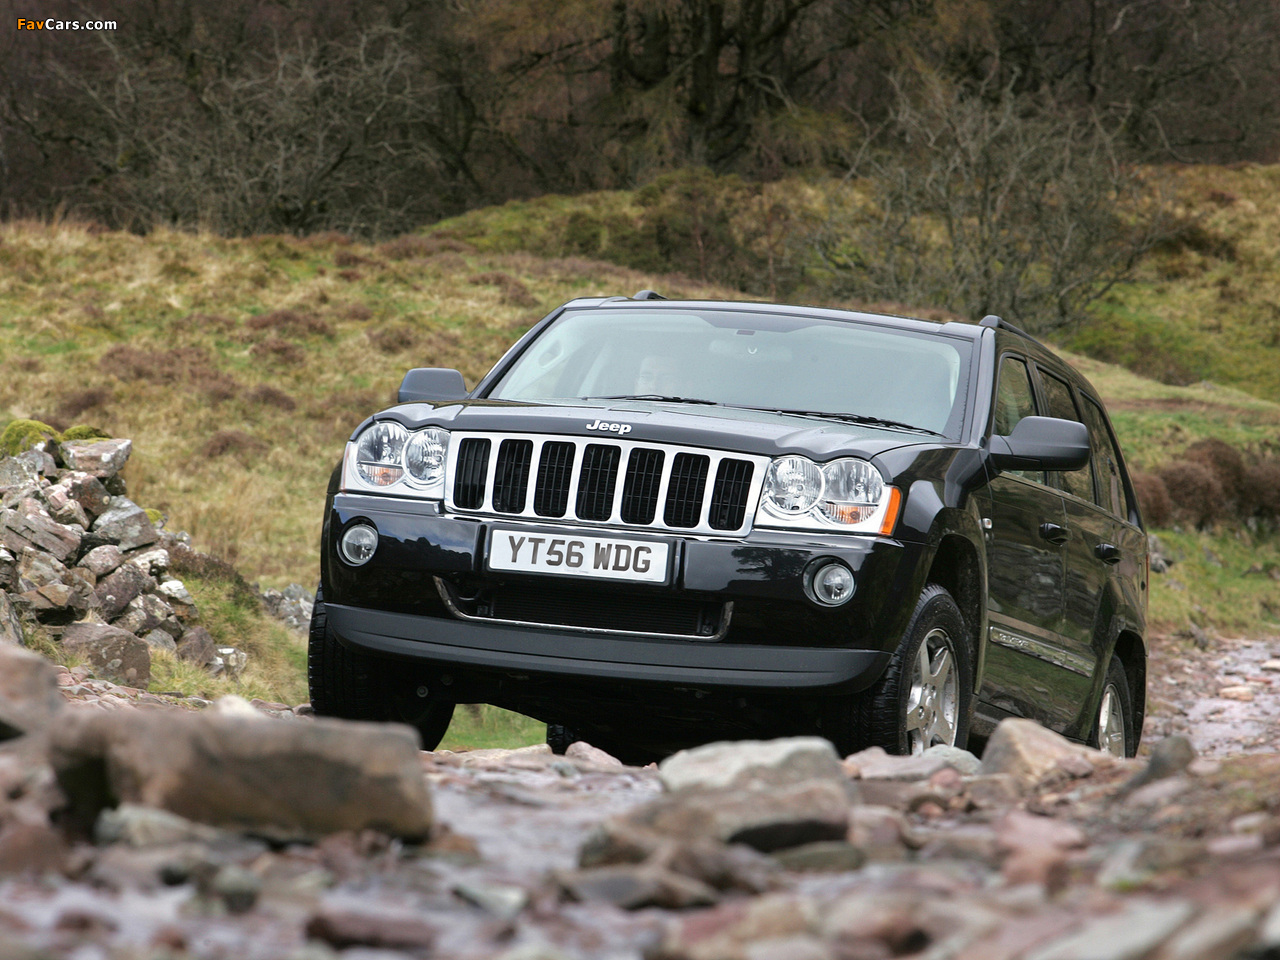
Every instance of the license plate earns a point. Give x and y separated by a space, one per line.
607 558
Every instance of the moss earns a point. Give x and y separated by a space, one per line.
155 516
82 431
22 435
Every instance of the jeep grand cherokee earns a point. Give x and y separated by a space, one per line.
656 523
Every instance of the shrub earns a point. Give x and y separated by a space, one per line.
514 293
1153 499
393 339
231 441
73 404
1261 489
269 396
274 348
1226 463
1194 492
290 322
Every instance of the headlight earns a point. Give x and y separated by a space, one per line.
853 491
380 453
792 485
846 494
424 455
386 456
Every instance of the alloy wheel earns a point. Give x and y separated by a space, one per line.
1111 731
933 705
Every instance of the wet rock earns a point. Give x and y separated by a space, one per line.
10 623
635 887
119 588
875 763
498 899
31 847
1027 751
766 820
715 864
1131 933
586 753
1169 757
1223 931
1132 863
992 791
197 646
343 928
829 856
303 779
114 653
21 531
1242 691
29 696
98 458
100 561
141 827
236 887
882 832
726 931
751 764
125 524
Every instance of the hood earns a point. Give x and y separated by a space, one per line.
693 425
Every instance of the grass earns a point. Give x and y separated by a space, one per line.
481 726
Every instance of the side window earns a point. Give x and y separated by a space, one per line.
1014 400
1106 461
1062 406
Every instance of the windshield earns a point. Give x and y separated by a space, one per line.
764 361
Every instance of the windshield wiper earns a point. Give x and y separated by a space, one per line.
654 396
859 418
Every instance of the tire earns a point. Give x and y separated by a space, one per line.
559 737
1114 730
897 713
352 686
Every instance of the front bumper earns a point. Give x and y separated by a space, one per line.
778 639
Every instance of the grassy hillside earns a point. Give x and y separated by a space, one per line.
240 366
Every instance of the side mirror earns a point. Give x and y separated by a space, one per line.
1042 443
431 384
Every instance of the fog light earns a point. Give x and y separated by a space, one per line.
832 584
358 543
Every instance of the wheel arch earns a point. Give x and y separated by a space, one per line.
1132 653
957 568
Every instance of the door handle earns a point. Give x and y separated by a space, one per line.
1055 533
1107 552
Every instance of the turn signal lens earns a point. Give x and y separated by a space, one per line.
853 490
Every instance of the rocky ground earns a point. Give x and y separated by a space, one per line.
143 826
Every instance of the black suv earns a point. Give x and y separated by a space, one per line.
657 523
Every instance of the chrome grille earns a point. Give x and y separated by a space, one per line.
623 483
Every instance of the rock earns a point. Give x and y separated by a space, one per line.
236 887
767 820
37 568
98 458
992 791
286 779
64 509
16 473
343 928
148 827
146 613
177 596
153 560
125 524
1242 692
29 696
499 899
721 867
114 653
1027 751
228 662
10 623
1169 757
100 561
197 646
727 930
1132 933
586 753
875 763
31 847
88 491
882 832
159 640
751 764
828 856
1222 931
119 588
31 531
634 887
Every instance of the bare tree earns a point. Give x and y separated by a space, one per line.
990 204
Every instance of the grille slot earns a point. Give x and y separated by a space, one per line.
473 466
511 480
684 495
729 494
640 488
555 472
597 482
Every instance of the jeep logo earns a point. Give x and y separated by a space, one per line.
621 429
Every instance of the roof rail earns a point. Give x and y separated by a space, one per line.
991 320
648 295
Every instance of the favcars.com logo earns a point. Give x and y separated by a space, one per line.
50 24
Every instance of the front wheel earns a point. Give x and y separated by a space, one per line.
924 697
1114 730
352 686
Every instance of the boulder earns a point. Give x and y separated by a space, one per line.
29 696
87 491
10 623
146 613
1028 751
114 653
179 598
197 646
15 473
751 764
98 458
119 588
36 569
64 509
102 560
280 779
125 524
25 528
875 763
159 640
229 662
